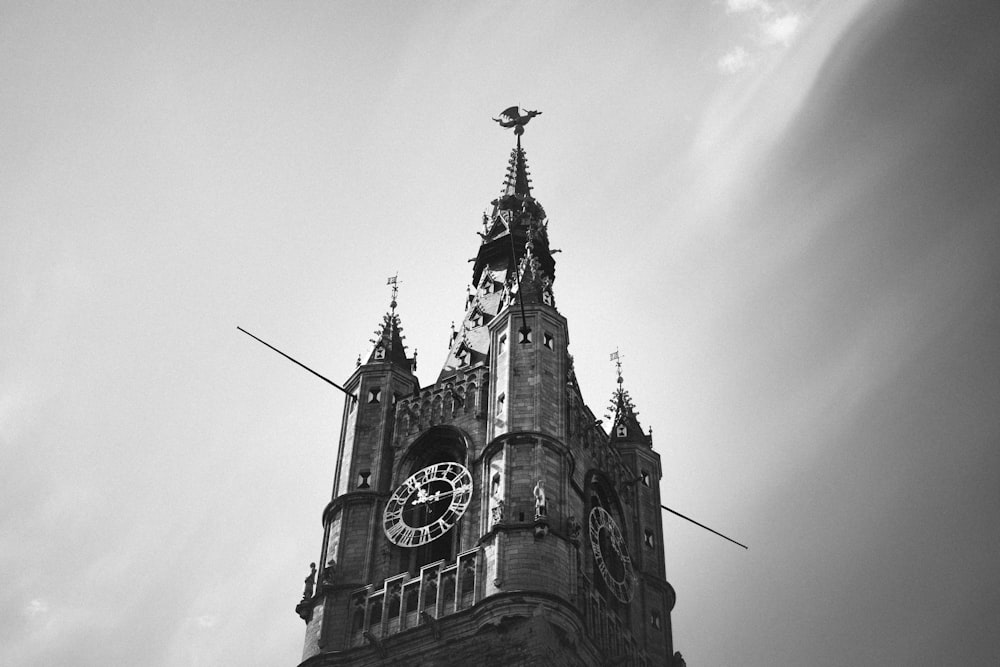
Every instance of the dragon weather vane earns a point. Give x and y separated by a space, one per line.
511 117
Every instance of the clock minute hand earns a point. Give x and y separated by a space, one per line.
431 497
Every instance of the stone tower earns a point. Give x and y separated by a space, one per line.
487 518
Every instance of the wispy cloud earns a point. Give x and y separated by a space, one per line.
780 29
36 608
734 60
773 30
740 6
206 620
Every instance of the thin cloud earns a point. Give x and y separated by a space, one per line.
206 620
740 6
36 608
772 31
735 60
780 29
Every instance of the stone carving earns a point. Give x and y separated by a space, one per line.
496 512
540 506
310 582
496 496
574 528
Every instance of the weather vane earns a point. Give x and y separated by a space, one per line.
394 281
511 117
617 358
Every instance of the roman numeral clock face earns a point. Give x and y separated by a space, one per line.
427 504
611 554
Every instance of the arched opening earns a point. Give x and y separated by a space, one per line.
439 444
607 539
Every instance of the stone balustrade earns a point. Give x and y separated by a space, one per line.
402 601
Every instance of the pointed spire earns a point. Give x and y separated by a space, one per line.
514 266
517 181
517 221
625 425
389 337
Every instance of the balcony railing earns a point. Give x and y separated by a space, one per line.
402 601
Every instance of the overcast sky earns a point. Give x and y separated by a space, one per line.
784 213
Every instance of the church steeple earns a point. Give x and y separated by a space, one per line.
514 263
493 492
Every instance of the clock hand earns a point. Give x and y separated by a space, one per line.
432 497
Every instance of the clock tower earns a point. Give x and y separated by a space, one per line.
487 517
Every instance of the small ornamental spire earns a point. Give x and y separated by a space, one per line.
389 337
625 417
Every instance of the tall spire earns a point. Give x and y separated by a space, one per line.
517 226
514 263
517 181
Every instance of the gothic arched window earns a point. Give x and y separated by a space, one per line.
439 444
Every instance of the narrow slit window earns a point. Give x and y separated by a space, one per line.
375 395
549 340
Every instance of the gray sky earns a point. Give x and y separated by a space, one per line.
783 213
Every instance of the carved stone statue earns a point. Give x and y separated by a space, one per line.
496 512
540 507
574 527
496 500
310 582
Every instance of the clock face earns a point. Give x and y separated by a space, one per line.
427 504
611 554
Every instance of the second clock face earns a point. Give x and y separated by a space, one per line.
611 554
427 504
